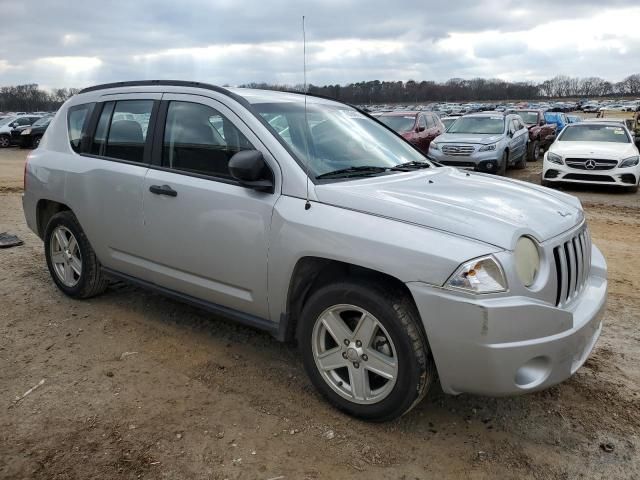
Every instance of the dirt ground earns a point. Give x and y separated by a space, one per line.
139 386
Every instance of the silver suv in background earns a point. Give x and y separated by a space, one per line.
313 221
486 142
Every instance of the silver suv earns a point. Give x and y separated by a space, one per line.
315 222
487 142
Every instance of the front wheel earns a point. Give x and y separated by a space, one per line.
363 349
534 151
5 141
502 167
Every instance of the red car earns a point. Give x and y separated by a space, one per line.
419 128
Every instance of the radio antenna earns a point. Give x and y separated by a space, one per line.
307 205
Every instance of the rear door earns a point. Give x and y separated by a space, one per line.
206 236
105 182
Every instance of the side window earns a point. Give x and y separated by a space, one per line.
76 123
199 139
127 130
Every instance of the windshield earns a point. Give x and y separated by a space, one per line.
478 125
447 122
594 133
329 138
43 121
529 117
398 123
4 121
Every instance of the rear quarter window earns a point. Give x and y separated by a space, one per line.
77 120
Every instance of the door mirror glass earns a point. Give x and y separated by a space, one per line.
249 168
420 128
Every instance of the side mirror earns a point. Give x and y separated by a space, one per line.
510 133
541 122
250 170
13 124
420 128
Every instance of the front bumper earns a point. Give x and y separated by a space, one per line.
479 161
617 177
510 345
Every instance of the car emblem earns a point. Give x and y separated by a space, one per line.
564 214
590 164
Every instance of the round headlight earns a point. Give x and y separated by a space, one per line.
527 261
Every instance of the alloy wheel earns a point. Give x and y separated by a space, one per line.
354 354
65 256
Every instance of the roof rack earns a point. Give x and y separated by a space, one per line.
148 83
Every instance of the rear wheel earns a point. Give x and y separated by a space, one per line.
72 263
363 349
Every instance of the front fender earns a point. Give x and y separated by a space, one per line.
404 251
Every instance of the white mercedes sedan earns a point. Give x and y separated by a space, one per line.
595 153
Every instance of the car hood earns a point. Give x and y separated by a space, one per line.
468 138
490 209
615 151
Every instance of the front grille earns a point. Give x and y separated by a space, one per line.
459 164
458 150
588 178
591 163
573 264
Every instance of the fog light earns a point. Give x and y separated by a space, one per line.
533 373
489 166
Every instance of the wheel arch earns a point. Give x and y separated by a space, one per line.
310 273
45 209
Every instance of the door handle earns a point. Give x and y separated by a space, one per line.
163 190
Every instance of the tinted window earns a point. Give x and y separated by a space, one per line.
199 139
77 120
128 130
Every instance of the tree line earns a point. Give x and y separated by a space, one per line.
32 98
476 89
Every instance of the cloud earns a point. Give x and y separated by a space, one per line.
61 43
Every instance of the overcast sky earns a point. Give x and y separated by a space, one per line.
75 43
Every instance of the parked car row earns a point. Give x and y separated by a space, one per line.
24 130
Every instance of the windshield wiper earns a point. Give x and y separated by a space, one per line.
411 164
361 170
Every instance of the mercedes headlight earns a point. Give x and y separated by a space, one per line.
629 162
488 148
434 145
26 131
555 158
527 259
482 275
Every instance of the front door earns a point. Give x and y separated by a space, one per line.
206 235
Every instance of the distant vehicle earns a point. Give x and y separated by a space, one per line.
541 133
558 118
8 124
419 128
590 108
596 153
29 136
487 142
574 118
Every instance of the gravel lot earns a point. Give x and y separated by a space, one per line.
139 386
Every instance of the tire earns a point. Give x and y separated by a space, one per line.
522 163
83 280
502 167
396 338
546 183
633 189
35 143
5 141
534 151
